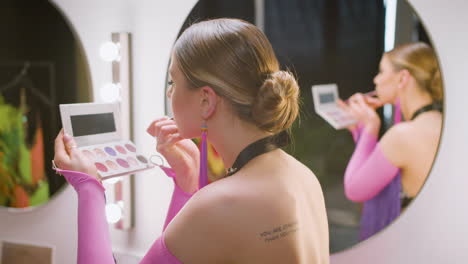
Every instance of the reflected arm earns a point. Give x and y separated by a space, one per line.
357 131
368 171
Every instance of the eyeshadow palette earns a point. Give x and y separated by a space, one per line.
97 131
325 97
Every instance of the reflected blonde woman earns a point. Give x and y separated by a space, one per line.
387 174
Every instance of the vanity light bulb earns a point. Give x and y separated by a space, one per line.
113 213
109 51
110 92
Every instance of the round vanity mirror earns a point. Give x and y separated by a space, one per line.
343 43
42 65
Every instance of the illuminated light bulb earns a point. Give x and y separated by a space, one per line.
109 51
110 92
113 213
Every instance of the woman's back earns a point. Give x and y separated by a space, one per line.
270 214
421 138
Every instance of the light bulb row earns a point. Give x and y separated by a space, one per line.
110 92
110 51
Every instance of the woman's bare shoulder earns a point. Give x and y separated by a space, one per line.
216 195
231 213
396 143
204 222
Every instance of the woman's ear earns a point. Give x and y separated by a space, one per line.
209 101
404 77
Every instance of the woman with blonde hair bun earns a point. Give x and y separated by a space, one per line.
226 86
387 174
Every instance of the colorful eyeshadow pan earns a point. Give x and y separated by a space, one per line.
120 149
116 158
123 163
132 161
101 167
99 153
112 165
130 147
101 140
110 151
142 159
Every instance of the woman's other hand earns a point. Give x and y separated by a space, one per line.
182 154
365 113
373 102
363 108
68 157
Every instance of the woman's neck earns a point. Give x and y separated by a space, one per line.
413 101
232 138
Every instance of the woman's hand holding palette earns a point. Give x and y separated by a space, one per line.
96 129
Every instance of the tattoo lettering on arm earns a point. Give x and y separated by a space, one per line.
279 232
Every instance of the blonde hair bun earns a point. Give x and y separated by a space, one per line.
276 105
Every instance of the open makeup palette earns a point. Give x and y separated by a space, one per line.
325 97
96 129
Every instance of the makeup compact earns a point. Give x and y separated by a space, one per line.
96 129
325 97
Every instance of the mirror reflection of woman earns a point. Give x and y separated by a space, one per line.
226 85
386 174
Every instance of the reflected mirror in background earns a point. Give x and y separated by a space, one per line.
325 41
42 65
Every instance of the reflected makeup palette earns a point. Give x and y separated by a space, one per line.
97 131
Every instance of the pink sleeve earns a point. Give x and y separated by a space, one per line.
94 244
357 131
159 253
179 197
368 171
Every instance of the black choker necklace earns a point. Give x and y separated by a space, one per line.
257 148
433 106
